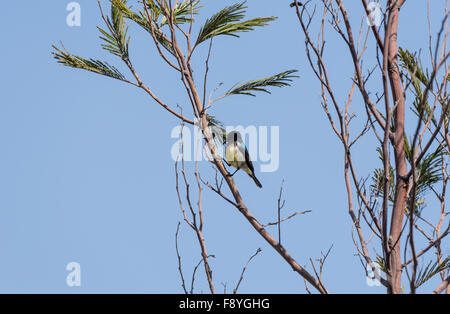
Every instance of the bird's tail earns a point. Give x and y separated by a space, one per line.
256 181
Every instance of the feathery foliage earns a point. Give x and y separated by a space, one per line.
432 269
92 65
213 121
278 80
217 128
428 171
126 11
183 12
411 63
153 7
143 21
378 177
380 262
228 22
116 40
418 77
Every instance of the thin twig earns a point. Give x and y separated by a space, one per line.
243 270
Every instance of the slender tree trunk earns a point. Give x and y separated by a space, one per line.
395 263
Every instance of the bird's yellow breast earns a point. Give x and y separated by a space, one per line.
231 154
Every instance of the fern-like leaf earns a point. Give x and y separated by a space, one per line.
418 77
278 80
429 169
126 11
217 128
154 9
378 179
92 65
183 12
412 64
432 269
116 39
228 22
142 20
380 262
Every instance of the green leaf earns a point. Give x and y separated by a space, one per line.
428 172
92 65
411 63
278 80
228 22
378 177
418 76
380 262
218 130
142 20
431 270
430 169
116 40
377 186
154 9
183 12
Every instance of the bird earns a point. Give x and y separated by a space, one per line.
236 155
295 3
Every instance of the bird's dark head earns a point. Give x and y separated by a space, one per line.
234 137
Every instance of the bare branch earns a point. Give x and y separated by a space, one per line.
244 269
442 286
275 223
179 259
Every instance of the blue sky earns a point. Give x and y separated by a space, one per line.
86 173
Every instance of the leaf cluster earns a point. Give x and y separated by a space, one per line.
96 66
277 80
432 269
228 21
115 38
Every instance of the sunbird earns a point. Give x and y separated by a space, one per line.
236 155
